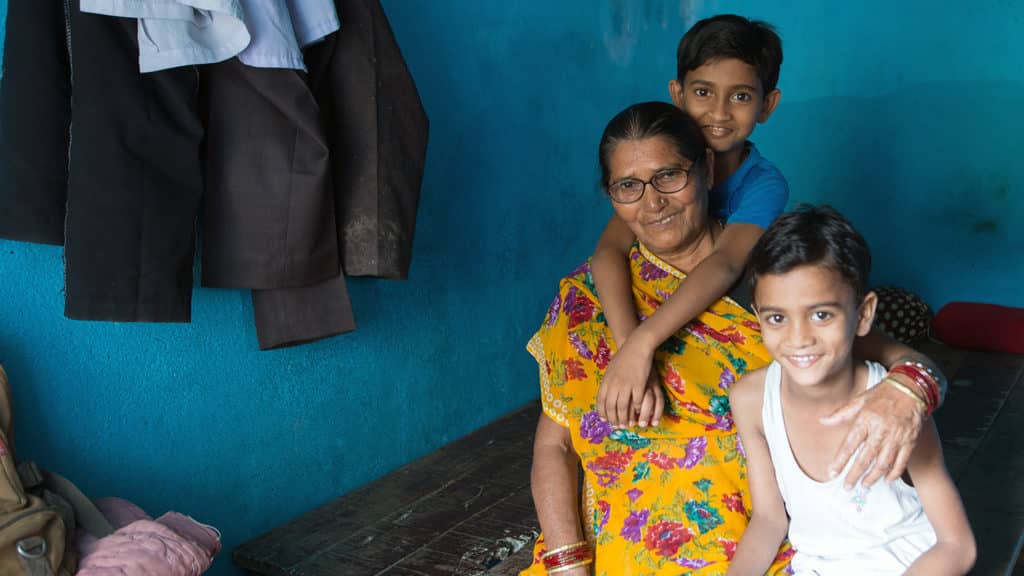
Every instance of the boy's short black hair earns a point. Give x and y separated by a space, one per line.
731 36
817 235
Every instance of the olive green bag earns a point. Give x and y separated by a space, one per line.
38 510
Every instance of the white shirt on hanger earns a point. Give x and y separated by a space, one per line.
262 33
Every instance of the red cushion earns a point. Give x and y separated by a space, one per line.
980 326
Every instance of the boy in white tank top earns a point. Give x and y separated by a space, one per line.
809 274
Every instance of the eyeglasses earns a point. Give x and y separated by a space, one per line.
668 181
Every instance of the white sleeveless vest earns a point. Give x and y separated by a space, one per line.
880 530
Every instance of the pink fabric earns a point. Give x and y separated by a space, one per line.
204 536
120 512
172 545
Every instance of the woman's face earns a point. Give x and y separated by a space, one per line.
668 224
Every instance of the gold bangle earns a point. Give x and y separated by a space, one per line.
570 566
572 546
903 388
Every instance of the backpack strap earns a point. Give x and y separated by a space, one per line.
87 515
30 474
6 416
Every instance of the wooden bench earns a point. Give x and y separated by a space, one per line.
466 509
982 428
460 510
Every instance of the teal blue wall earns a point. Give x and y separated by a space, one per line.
908 118
900 115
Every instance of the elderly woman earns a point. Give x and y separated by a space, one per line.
672 498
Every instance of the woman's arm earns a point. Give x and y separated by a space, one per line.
881 348
885 421
622 387
954 551
768 524
554 478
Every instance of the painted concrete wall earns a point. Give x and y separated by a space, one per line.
904 116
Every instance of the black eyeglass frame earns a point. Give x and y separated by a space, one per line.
608 189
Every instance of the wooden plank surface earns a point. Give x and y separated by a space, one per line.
980 385
443 514
514 563
981 424
992 481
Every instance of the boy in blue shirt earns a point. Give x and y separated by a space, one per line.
728 67
727 70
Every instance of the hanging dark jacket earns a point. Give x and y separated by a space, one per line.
378 135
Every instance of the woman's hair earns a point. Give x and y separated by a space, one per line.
647 120
817 235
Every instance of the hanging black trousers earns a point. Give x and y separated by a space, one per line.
135 179
239 149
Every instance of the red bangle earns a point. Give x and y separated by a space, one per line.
919 385
924 383
925 387
928 375
919 377
578 553
566 556
931 385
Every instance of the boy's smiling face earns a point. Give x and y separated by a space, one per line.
809 318
725 97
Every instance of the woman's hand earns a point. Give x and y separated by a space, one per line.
886 423
627 378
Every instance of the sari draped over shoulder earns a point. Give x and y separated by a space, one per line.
671 499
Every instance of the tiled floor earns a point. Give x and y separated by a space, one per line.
466 509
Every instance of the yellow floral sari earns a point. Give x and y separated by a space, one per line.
672 499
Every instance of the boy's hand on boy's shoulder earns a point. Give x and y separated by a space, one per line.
621 395
885 426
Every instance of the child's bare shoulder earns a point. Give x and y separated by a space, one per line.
747 394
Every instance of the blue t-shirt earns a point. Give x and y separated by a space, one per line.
755 194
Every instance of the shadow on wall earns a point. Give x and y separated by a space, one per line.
927 174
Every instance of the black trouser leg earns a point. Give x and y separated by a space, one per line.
136 180
269 205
